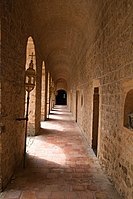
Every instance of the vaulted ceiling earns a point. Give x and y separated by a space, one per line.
63 31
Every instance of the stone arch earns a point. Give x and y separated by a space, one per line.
61 84
31 122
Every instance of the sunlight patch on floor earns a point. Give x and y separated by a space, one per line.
56 117
47 151
56 112
51 126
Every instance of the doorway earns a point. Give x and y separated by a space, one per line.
77 94
61 98
95 120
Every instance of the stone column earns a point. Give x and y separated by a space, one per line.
38 95
43 90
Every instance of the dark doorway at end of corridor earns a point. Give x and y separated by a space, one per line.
61 98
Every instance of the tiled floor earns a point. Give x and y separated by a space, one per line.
59 166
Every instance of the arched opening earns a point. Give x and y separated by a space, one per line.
30 53
128 110
61 98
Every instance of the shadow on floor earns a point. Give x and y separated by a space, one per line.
59 161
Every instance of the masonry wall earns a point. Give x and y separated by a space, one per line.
13 58
108 63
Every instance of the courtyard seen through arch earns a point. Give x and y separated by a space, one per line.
30 54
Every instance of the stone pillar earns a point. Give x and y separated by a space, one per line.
71 100
52 95
43 90
48 95
12 96
46 92
68 99
38 95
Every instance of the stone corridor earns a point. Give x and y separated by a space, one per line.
60 165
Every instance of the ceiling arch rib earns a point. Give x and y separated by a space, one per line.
60 72
61 84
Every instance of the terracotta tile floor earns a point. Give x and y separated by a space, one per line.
59 166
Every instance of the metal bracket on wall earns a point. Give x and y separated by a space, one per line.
20 119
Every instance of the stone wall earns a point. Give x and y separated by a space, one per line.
13 57
15 33
109 59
